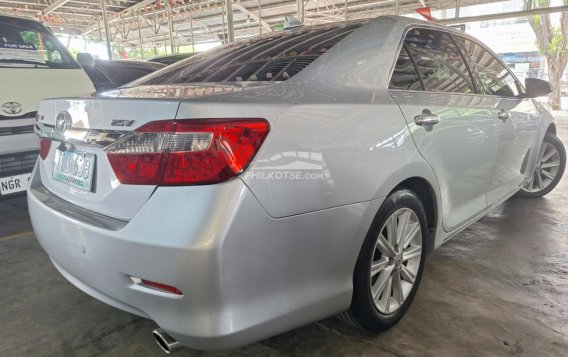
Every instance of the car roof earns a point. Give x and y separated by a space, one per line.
404 22
373 47
364 58
176 55
20 18
127 63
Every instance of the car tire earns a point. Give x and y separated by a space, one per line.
378 305
544 173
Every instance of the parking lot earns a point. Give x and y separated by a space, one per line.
498 288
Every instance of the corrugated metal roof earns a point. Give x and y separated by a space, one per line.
85 16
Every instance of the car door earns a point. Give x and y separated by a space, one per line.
517 120
453 126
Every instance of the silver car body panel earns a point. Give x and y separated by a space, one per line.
231 294
519 146
275 247
461 149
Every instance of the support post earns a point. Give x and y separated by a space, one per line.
300 10
259 19
223 18
458 8
191 29
107 31
170 26
396 7
140 36
345 10
230 23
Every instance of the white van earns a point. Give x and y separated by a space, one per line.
33 66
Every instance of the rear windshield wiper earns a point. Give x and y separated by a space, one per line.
21 61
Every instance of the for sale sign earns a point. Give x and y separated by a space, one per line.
20 52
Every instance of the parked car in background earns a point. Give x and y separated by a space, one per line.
171 59
33 66
564 87
107 75
272 182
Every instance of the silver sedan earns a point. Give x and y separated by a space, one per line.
272 182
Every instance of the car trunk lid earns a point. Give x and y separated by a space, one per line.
83 128
96 123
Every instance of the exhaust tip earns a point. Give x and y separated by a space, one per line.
166 342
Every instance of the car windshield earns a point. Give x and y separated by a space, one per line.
26 43
273 57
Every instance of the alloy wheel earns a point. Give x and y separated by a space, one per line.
396 260
546 169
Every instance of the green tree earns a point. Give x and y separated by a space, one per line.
30 37
552 43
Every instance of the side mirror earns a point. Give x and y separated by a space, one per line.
537 87
85 60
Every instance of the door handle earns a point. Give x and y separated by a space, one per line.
503 115
426 119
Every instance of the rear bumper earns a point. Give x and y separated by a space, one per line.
244 275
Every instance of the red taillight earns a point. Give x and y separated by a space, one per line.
187 152
44 146
164 287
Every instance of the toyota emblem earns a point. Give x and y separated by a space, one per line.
12 107
62 122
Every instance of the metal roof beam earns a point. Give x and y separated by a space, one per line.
505 15
56 4
117 14
245 11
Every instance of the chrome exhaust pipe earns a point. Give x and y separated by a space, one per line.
166 342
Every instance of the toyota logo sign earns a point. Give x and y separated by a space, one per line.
62 122
11 108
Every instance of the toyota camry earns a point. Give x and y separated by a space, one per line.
282 179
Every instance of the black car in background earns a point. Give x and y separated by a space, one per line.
171 59
107 75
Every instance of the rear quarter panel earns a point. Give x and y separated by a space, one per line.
327 154
336 137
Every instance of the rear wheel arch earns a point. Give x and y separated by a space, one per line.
425 192
551 128
366 311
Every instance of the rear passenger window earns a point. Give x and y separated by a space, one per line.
495 78
404 76
439 61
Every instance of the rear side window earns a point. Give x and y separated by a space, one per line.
404 76
25 42
439 62
273 57
494 77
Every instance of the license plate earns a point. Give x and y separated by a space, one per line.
13 184
74 168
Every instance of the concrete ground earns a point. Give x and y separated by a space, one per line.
499 288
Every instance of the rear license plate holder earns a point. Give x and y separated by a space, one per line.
74 168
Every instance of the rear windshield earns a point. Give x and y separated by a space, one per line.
274 57
26 43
